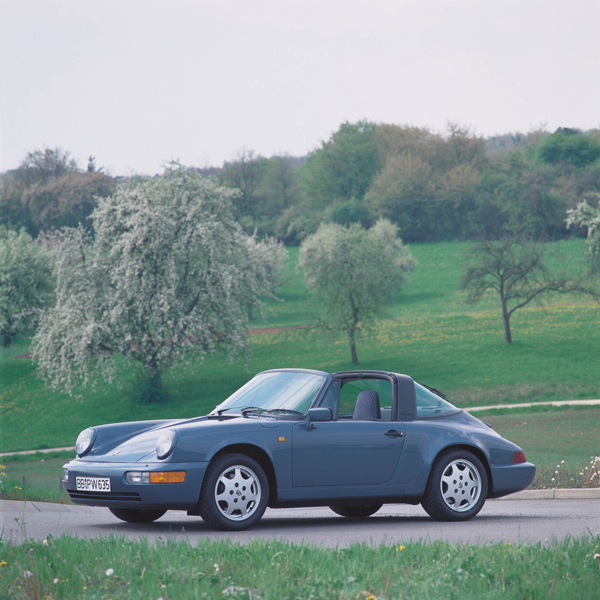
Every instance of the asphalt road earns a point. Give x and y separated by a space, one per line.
515 521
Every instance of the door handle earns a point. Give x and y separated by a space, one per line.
392 433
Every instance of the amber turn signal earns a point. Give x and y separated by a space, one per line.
519 457
167 477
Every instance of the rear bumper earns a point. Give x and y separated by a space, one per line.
167 496
507 479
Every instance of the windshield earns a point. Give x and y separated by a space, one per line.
277 391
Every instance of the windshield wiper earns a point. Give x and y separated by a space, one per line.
250 409
242 409
432 389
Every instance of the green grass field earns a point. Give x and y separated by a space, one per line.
113 568
429 333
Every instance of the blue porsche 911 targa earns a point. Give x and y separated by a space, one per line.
296 437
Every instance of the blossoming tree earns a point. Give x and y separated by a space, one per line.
167 273
26 284
587 215
355 271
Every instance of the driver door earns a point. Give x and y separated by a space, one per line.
348 451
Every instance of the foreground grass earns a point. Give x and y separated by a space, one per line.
431 334
117 568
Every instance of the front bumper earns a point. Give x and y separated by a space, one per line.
508 479
167 496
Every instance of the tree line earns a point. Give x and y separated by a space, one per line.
432 186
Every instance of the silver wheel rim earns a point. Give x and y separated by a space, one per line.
237 493
460 485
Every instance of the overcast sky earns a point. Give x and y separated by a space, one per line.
140 82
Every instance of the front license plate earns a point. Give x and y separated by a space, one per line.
93 484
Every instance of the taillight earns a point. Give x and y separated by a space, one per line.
519 457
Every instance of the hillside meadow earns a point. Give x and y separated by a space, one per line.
429 333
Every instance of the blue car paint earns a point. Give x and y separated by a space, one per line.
308 464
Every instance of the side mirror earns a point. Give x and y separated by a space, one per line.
318 415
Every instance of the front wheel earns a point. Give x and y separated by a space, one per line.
355 511
457 487
235 493
136 515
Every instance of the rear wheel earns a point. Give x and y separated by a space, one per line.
457 487
135 515
355 511
235 493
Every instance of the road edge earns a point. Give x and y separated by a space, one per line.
531 495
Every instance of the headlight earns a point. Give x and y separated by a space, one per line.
85 441
166 443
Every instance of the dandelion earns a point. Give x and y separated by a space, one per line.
109 572
400 548
3 563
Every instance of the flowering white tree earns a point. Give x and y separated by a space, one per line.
266 261
355 271
166 274
26 284
587 215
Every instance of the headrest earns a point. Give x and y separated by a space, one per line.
367 406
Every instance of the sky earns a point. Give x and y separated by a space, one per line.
137 83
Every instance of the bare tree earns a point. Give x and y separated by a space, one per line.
245 175
515 268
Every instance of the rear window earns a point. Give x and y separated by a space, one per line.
429 404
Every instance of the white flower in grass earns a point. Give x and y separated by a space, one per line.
216 566
27 574
109 572
55 580
552 479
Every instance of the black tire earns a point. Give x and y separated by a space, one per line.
235 493
136 515
355 511
457 487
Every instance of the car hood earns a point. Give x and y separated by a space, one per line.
127 442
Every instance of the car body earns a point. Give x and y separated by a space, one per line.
298 437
